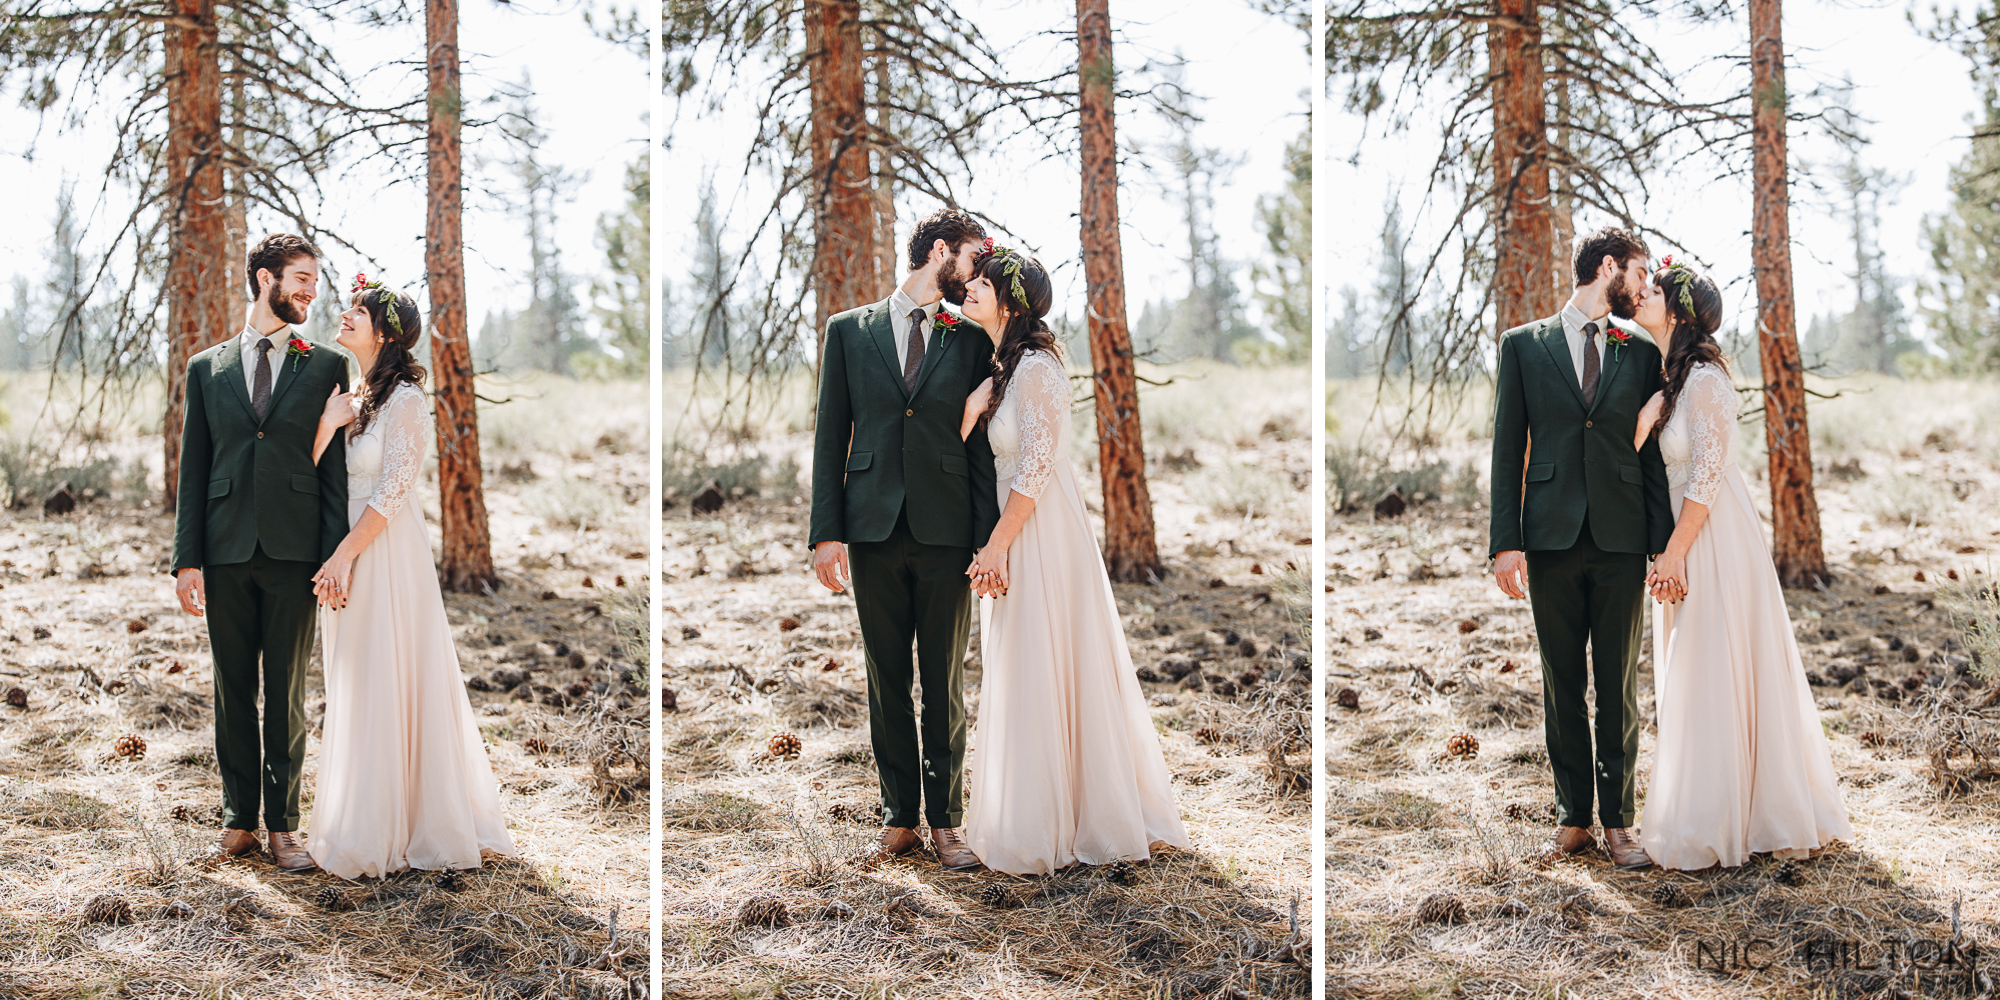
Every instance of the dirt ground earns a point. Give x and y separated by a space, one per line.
1436 885
102 890
765 893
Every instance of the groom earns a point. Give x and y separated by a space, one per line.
255 519
895 489
1577 512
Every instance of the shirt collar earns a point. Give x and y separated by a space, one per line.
1573 321
279 337
901 302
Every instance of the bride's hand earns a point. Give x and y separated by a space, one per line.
1668 580
1648 416
990 569
340 410
975 405
332 582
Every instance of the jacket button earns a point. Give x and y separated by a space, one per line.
1585 423
907 413
260 435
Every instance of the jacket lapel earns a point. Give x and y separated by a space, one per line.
1556 342
229 368
876 323
932 354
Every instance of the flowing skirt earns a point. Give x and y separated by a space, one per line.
403 776
1741 764
1066 764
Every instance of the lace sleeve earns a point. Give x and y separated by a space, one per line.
1710 403
406 428
1041 399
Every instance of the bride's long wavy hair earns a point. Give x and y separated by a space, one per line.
1694 304
1026 328
397 360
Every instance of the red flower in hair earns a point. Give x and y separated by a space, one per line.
1667 261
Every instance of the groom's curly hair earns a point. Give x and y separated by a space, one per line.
954 226
1618 244
272 253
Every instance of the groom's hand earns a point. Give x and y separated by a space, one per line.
830 565
192 593
1510 569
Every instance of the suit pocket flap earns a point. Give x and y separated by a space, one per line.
1630 473
218 488
305 484
1537 473
860 460
956 465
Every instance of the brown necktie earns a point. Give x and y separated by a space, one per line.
1593 366
913 358
260 392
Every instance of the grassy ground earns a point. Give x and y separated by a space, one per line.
1436 887
101 889
764 895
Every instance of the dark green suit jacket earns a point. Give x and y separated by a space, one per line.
876 444
1582 460
243 482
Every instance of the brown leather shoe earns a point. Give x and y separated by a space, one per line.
288 849
236 843
896 841
1623 843
1571 839
952 851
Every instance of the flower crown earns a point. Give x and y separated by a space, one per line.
1011 267
388 300
1685 276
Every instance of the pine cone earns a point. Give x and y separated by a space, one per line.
332 900
1871 738
1347 698
450 879
130 746
108 909
135 626
786 745
1672 894
17 697
789 624
1207 735
997 895
1121 872
1467 625
535 745
1463 745
764 911
1441 908
1789 873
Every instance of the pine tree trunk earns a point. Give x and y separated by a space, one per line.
886 252
1130 553
1795 545
236 223
1526 260
466 564
843 188
1562 198
197 255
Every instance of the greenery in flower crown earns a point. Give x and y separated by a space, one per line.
1683 274
1011 267
388 300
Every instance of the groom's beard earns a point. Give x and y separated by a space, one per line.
951 284
1619 297
283 307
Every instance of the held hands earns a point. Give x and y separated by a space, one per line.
989 571
340 409
1510 570
975 405
332 582
1668 580
193 593
830 565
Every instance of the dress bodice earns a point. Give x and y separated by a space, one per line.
1698 444
385 461
1029 431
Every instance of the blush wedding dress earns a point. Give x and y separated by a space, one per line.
403 776
1741 764
1066 765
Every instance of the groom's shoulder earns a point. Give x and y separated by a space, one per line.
1532 329
204 359
850 318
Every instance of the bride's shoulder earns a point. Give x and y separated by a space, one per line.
1041 358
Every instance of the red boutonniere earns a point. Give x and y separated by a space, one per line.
297 348
946 319
1617 337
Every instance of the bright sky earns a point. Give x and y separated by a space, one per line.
592 99
1915 96
1253 70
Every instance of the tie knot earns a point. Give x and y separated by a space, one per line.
917 316
264 343
1590 330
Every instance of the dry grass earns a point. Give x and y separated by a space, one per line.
1912 741
78 826
749 835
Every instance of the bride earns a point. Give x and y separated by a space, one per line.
403 777
1068 767
1741 765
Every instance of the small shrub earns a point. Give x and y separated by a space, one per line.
1242 489
572 502
1903 499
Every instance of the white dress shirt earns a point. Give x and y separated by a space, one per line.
249 337
900 305
1573 320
